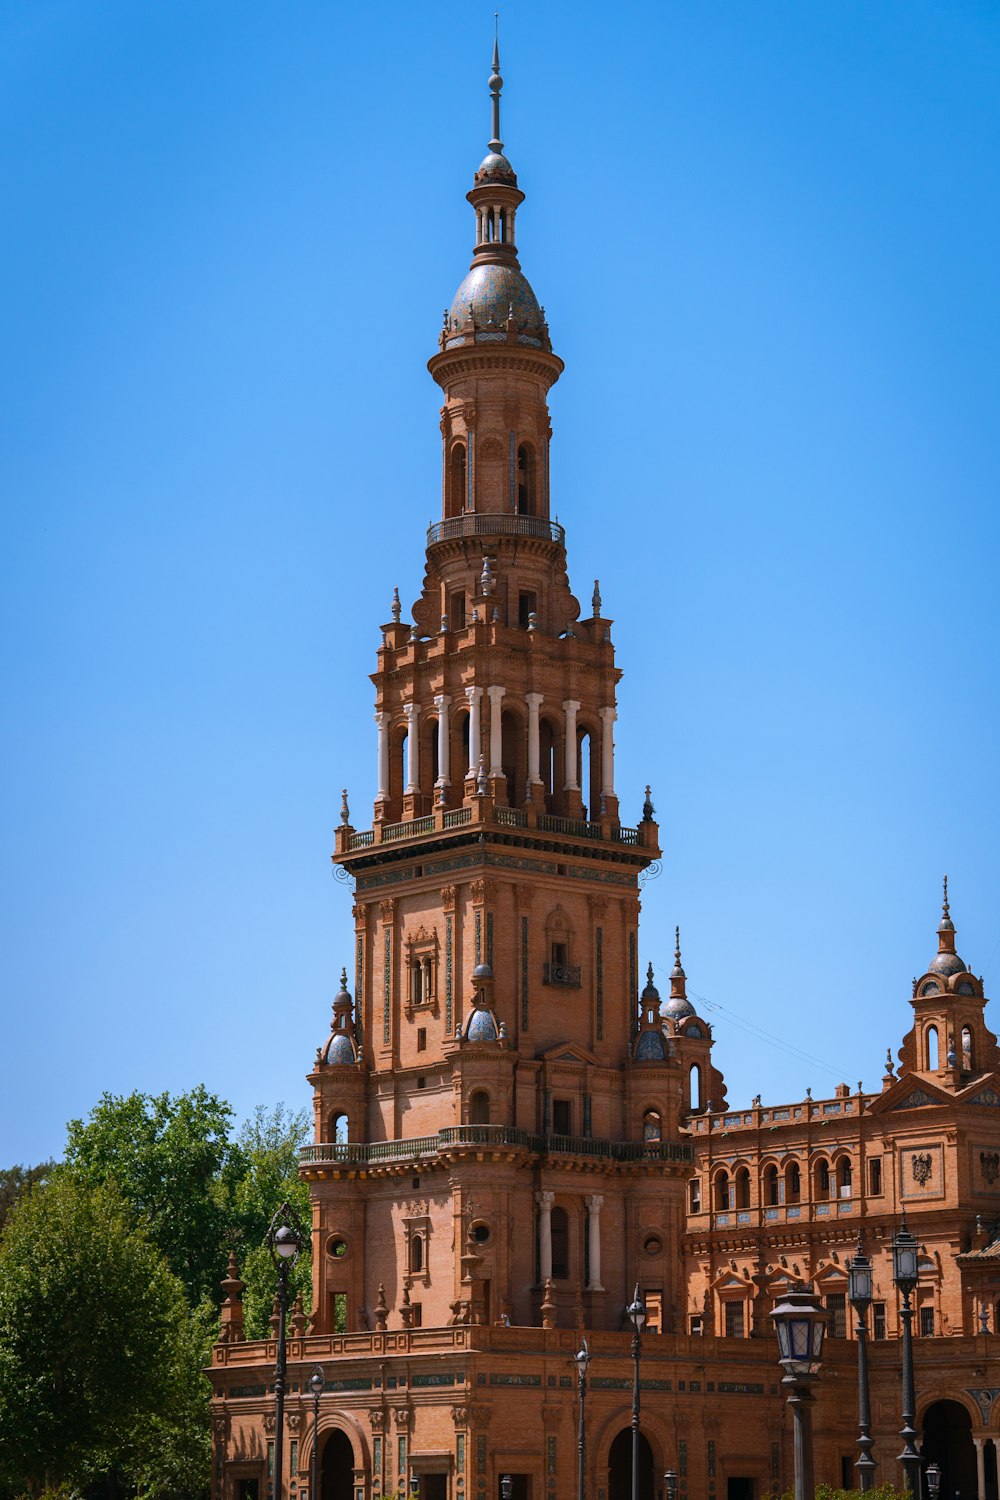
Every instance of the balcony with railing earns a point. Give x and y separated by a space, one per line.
568 976
475 1138
504 523
482 810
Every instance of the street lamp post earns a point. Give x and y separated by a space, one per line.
670 1484
933 1481
582 1358
800 1322
506 1487
415 1486
636 1312
904 1273
284 1240
317 1384
860 1287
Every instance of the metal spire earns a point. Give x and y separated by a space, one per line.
496 84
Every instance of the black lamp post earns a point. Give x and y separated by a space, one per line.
860 1288
933 1481
582 1358
506 1487
800 1323
317 1384
670 1484
415 1486
284 1240
904 1273
636 1312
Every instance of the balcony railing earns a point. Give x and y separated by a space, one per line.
570 976
483 523
473 1137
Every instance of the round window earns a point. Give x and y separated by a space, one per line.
481 1234
652 1244
336 1246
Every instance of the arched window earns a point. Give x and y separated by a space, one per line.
967 1060
417 1253
771 1186
651 1127
416 982
589 771
694 1088
503 225
793 1183
722 1192
457 483
932 1047
844 1177
560 1244
526 480
742 1188
339 1128
822 1179
514 756
479 1108
548 763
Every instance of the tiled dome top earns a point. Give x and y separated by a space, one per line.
496 168
491 289
676 1008
946 963
482 1027
340 1050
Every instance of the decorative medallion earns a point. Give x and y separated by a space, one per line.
989 1165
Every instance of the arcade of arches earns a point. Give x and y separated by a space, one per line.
513 1131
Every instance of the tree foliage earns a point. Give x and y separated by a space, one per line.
173 1164
269 1143
100 1358
17 1180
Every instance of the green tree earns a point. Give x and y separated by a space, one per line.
17 1180
173 1163
100 1357
268 1147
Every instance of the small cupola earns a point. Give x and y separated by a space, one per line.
678 1006
340 1049
946 961
650 1045
482 1025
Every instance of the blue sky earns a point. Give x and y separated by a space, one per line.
767 240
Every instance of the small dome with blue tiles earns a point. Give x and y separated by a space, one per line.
482 1027
946 961
482 971
496 168
340 1050
491 291
650 1047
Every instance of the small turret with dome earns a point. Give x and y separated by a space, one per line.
691 1043
650 1044
678 1006
341 1049
949 1037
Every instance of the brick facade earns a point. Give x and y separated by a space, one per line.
510 1134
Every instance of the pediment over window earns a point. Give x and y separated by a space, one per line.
569 1052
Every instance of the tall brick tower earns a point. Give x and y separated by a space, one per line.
497 898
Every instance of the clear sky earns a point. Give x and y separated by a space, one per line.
767 238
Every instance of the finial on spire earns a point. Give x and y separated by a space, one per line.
397 608
496 84
596 600
345 811
677 944
945 912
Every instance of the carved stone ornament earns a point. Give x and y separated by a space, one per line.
359 912
482 890
448 896
376 1418
989 1165
403 1416
469 413
269 1423
388 909
490 449
460 1416
598 905
523 895
921 1167
294 1419
220 1426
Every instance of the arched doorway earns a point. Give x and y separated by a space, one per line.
620 1468
337 1470
948 1442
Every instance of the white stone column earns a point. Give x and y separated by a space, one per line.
382 720
442 703
545 1202
412 712
571 708
496 731
594 1206
534 702
475 739
608 717
980 1467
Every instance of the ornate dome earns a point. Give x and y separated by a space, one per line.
340 1050
946 963
482 971
496 168
650 1047
482 1027
491 290
677 1007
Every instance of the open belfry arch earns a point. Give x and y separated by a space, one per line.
512 1128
